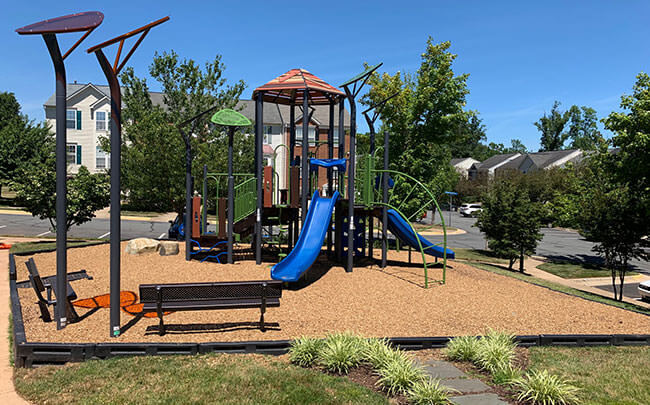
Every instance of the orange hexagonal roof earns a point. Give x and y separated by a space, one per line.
293 85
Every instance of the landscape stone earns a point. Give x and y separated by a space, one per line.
478 399
466 385
442 369
141 245
168 248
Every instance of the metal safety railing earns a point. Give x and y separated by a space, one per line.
245 199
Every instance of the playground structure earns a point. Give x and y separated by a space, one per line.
271 216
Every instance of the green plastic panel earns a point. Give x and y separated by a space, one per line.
230 118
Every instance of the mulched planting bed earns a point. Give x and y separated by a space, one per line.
369 301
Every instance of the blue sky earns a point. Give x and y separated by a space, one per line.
521 56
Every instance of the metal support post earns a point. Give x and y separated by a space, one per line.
384 210
231 194
61 292
304 161
353 130
259 145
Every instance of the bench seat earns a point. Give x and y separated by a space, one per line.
160 298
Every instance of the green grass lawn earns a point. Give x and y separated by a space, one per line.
42 246
605 375
148 214
577 270
559 287
222 379
477 255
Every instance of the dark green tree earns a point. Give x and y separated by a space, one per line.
423 120
615 205
22 142
583 128
552 128
36 191
510 221
153 151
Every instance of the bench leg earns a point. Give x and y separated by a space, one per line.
45 312
161 324
71 312
262 326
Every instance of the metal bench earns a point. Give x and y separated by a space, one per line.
205 296
48 285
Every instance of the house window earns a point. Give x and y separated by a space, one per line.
71 119
102 159
100 121
73 154
312 135
268 130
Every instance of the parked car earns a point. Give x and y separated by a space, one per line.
470 210
644 291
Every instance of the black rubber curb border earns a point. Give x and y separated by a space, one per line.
32 354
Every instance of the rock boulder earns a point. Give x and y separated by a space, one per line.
141 245
168 248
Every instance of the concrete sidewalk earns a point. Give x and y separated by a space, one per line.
582 284
8 393
105 214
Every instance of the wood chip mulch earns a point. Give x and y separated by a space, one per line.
369 301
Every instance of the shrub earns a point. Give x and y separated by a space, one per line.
462 348
541 387
340 352
428 392
304 351
507 375
378 353
399 374
495 351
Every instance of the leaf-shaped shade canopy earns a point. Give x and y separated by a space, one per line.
230 118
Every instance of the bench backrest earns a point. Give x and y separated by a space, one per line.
209 291
34 277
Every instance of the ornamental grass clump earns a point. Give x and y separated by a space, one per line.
304 351
496 351
378 353
462 348
399 374
541 387
341 352
428 392
507 375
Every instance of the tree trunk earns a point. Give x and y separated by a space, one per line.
521 261
614 283
621 276
511 261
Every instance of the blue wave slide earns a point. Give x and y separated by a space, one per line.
310 241
401 229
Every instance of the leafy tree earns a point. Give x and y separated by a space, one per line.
21 142
36 191
517 146
423 120
615 208
153 151
583 128
510 221
552 128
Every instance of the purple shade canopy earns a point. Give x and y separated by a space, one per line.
67 23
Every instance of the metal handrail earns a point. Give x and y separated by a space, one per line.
245 199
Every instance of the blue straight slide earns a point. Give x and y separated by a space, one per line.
401 229
310 241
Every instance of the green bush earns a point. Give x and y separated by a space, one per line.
507 375
304 351
428 392
341 352
399 375
378 353
541 387
496 351
462 348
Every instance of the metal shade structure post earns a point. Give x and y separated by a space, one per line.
384 209
111 73
304 161
352 88
259 147
231 119
187 221
80 22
